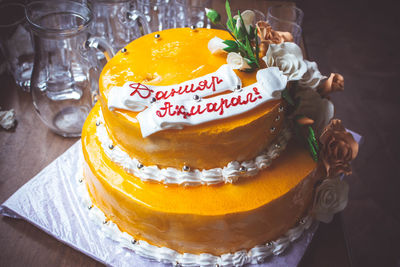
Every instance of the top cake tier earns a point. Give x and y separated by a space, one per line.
172 57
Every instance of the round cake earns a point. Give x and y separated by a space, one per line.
228 189
176 56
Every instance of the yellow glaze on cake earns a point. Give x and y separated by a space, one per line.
177 56
203 219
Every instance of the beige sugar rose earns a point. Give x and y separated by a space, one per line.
268 36
338 148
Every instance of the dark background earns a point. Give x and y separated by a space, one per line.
360 40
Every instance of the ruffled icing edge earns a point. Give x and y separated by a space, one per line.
171 176
255 255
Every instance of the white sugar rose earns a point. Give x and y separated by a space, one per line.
236 61
288 58
312 77
216 46
330 197
248 17
313 106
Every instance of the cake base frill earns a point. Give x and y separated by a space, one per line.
255 255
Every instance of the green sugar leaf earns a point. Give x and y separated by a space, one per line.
213 15
229 23
232 46
286 95
230 43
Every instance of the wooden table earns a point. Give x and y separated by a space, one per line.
30 147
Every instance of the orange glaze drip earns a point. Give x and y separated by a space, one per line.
177 56
212 219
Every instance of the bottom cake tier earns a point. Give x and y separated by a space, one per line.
217 219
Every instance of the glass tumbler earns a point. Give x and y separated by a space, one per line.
159 14
66 69
287 13
16 43
286 18
117 22
192 13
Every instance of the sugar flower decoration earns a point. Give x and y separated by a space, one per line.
331 196
312 78
216 46
248 17
244 38
313 106
268 36
338 148
213 15
236 61
288 58
334 83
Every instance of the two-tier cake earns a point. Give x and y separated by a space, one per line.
201 163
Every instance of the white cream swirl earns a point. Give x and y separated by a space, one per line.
166 255
288 58
171 176
312 77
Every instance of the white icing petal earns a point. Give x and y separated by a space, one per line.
248 17
330 197
288 57
137 96
312 77
216 46
171 176
237 62
272 80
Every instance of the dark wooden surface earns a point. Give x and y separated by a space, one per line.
354 38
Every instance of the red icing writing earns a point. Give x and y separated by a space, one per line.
189 88
142 90
218 107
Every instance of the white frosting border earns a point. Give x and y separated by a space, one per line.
255 255
171 176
